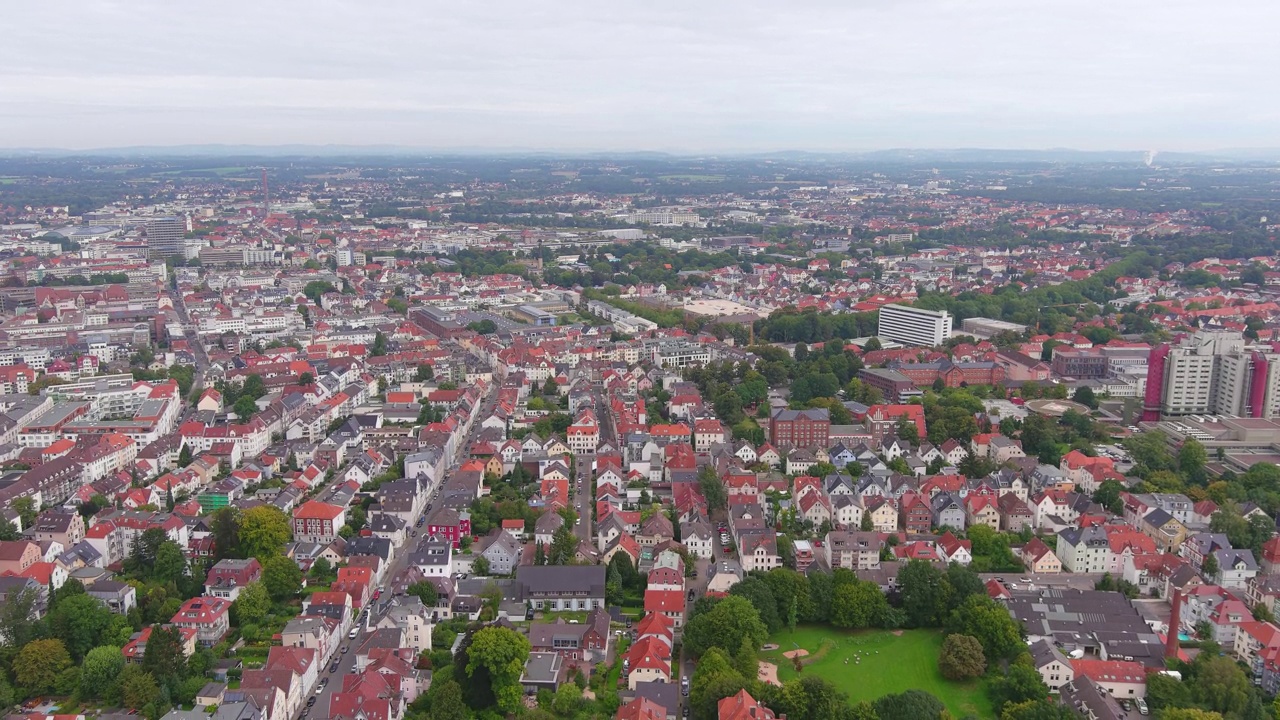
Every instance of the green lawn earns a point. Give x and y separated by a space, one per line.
890 664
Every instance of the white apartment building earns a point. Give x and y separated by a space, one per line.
914 326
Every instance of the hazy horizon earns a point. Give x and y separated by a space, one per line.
706 78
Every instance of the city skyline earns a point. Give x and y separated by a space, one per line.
718 78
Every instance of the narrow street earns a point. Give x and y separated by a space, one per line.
398 564
193 339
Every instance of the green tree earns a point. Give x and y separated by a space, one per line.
100 671
379 346
564 545
981 617
1108 496
18 624
170 564
320 569
480 566
714 677
859 605
39 663
1209 566
138 688
907 431
164 658
282 577
502 652
1084 395
924 592
245 407
1219 684
426 591
81 622
1038 710
27 511
253 604
961 658
712 488
184 456
724 626
909 705
446 702
1020 683
1192 458
746 660
225 524
262 531
568 699
316 288
760 595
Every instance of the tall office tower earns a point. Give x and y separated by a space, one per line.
914 326
166 237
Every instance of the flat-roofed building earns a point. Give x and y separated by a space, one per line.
914 326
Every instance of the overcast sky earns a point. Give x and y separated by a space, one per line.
690 76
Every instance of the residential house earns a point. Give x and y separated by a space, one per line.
1054 667
1038 558
1084 550
208 616
743 707
317 522
228 577
852 550
502 552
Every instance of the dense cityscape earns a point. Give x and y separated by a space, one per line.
386 437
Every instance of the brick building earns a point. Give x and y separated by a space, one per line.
800 428
952 374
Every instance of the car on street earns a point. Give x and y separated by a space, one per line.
311 701
333 668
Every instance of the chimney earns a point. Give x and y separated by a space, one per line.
1175 624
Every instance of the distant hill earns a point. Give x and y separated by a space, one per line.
891 155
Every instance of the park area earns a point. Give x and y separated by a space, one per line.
870 663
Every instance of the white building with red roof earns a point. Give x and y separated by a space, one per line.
208 616
317 522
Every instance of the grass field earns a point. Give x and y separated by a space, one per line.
890 664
